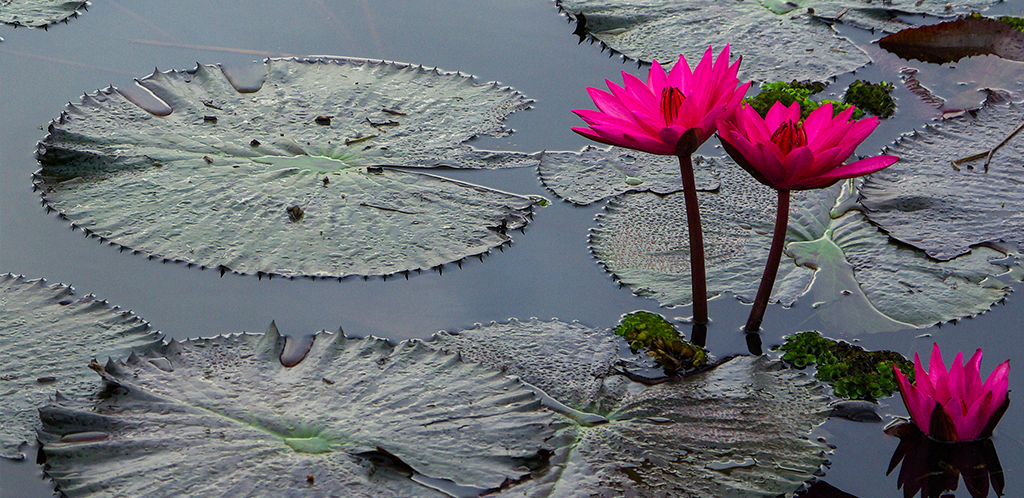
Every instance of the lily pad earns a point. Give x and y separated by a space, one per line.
858 279
868 14
278 170
596 173
738 430
793 46
38 13
47 337
954 40
925 202
309 416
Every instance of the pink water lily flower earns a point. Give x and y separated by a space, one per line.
671 113
955 405
653 116
786 154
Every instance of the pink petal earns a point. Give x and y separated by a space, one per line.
977 417
937 374
797 161
657 80
679 72
862 167
918 405
642 93
956 381
972 372
776 116
609 104
816 120
921 379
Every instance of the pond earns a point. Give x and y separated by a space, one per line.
547 271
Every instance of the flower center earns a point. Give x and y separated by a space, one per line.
671 100
789 136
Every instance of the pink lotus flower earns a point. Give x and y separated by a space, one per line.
955 405
654 116
783 153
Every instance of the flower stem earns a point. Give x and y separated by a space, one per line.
771 268
698 281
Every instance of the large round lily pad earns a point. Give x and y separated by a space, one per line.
277 169
775 47
949 209
38 13
738 430
320 416
858 280
48 335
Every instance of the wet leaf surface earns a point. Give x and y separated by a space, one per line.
38 13
596 173
358 416
954 40
854 276
277 169
739 429
926 203
776 47
48 335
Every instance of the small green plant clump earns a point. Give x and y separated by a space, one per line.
795 91
873 98
655 335
852 371
1016 23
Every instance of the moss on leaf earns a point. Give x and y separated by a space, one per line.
852 371
660 339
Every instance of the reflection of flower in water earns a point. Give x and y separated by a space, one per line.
932 468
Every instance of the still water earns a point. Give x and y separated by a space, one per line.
547 272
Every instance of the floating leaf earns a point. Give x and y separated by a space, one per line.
47 337
596 173
885 17
862 282
642 241
924 201
738 430
38 13
794 46
310 416
954 40
280 173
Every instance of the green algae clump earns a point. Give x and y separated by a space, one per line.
794 91
654 334
852 371
872 98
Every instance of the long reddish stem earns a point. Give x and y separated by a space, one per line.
698 279
771 268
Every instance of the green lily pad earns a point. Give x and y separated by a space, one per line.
738 430
317 415
871 15
48 335
793 46
923 200
857 279
596 173
280 173
38 13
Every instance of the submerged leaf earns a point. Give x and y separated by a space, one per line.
278 170
596 173
737 430
794 46
954 40
862 282
923 200
38 13
48 335
363 418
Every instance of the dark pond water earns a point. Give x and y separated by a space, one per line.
547 272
